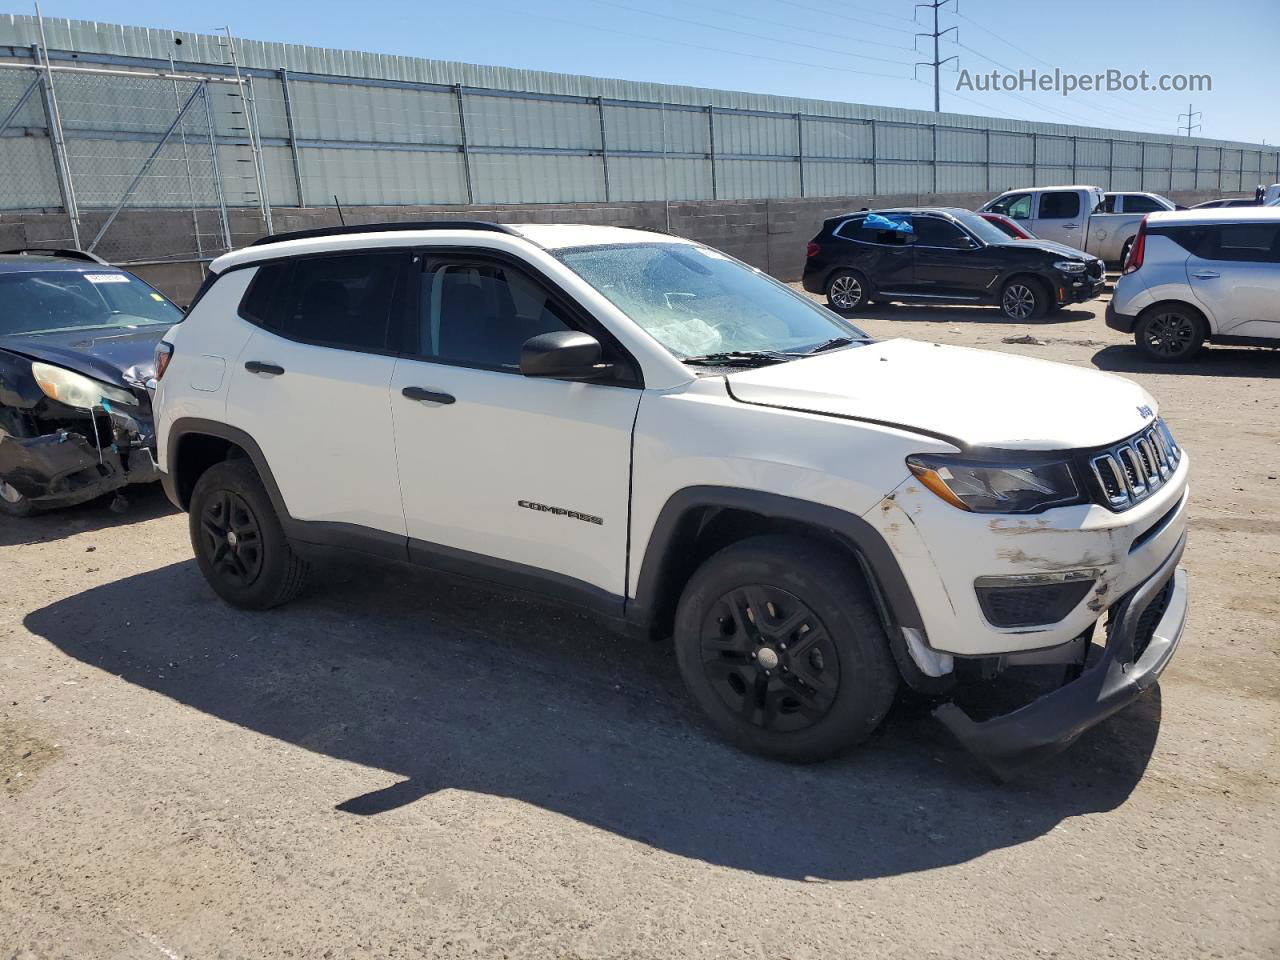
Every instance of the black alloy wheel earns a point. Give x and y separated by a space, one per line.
1169 335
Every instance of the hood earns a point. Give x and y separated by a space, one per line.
1050 246
117 355
968 397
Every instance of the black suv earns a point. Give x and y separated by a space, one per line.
77 347
944 255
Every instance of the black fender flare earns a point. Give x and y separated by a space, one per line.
186 426
656 594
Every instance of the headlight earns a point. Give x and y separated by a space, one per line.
77 390
986 487
1069 266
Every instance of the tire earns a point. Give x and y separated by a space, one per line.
230 512
14 504
1169 334
846 290
825 694
1024 298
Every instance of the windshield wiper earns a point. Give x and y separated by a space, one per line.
832 344
740 358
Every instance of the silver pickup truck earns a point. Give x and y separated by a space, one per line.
1074 215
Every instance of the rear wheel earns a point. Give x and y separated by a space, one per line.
778 641
1169 334
1024 298
846 290
239 543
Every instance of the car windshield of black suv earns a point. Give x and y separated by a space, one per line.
705 306
984 230
51 301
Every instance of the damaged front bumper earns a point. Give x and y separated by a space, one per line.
70 466
1143 631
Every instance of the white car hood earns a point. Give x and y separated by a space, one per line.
977 397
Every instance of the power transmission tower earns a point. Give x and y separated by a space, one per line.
1188 126
935 62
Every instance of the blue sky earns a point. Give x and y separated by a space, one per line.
858 51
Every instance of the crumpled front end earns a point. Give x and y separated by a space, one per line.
61 456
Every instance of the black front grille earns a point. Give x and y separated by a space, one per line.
1130 471
1030 605
1096 270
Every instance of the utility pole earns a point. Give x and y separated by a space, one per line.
1188 126
936 63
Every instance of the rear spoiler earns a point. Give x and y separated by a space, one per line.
67 253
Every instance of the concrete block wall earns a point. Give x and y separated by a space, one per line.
769 234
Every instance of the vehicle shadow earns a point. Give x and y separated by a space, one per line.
145 502
448 685
1210 362
923 313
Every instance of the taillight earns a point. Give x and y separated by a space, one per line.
1138 250
813 250
164 353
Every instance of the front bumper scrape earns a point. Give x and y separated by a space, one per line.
1148 621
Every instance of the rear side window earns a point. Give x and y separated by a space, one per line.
1242 242
849 229
1190 239
1137 203
349 301
1059 205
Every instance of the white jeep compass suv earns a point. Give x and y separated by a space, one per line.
651 430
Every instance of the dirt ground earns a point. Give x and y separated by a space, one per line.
399 766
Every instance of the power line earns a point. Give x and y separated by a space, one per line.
1082 102
695 46
1029 54
845 7
747 33
790 26
1190 116
845 16
935 6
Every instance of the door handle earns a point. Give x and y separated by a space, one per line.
427 396
257 366
1070 226
1206 275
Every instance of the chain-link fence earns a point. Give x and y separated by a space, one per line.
103 147
99 141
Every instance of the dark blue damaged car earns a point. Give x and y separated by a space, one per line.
77 347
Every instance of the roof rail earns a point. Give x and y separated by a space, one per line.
384 228
68 253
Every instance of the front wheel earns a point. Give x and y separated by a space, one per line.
1169 334
779 643
239 543
846 290
1023 298
14 504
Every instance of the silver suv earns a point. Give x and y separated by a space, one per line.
1197 276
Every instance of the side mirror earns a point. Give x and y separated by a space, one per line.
965 243
563 355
